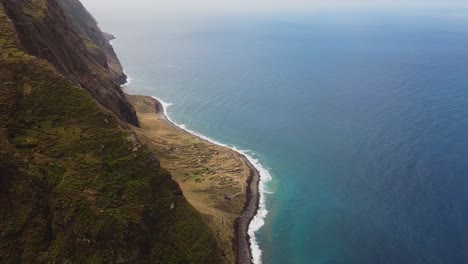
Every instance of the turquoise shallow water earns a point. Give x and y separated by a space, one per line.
362 120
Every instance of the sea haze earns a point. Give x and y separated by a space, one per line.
362 119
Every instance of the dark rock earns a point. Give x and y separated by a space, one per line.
68 37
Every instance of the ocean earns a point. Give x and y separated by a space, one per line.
361 118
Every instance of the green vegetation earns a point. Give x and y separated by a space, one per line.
35 8
76 187
92 47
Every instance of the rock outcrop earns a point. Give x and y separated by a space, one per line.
65 34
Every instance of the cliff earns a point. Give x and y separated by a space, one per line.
65 34
76 186
99 41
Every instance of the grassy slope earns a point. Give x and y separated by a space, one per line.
75 186
205 172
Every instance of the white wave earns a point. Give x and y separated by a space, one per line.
129 76
129 79
259 219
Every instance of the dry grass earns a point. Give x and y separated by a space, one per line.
207 173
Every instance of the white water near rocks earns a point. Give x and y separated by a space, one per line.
259 219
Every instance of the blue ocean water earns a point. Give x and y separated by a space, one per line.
361 118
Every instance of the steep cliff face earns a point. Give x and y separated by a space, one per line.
65 34
98 41
75 185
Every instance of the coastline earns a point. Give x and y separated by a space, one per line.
242 239
245 215
252 217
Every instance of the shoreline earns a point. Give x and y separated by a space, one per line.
242 241
244 245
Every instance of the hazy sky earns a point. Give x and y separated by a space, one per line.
203 6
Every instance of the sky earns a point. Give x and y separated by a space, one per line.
261 6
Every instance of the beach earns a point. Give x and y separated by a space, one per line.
224 186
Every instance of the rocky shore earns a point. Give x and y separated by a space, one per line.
242 238
240 219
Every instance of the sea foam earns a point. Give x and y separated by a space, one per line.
129 76
129 79
259 219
